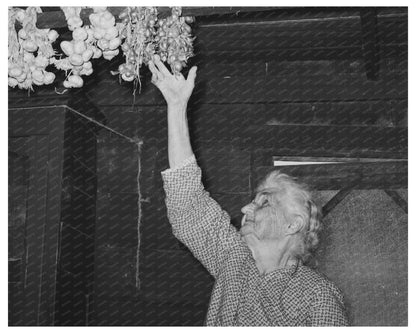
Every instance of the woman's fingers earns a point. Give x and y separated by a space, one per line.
156 75
192 74
153 69
160 66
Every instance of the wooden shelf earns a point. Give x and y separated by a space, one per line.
56 19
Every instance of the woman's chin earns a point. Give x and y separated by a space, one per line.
249 238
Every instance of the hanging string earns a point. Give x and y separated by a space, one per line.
82 115
139 215
102 125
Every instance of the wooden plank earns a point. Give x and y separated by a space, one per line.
42 228
117 161
51 230
32 120
135 121
323 140
384 175
242 89
268 37
335 200
174 275
225 170
301 88
76 256
305 88
273 67
18 167
41 96
36 147
359 113
117 218
115 268
56 19
71 302
298 54
282 68
392 31
371 47
399 110
152 159
283 54
397 199
288 140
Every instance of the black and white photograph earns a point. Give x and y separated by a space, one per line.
208 166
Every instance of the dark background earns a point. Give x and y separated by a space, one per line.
89 241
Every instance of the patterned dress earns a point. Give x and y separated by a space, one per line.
292 296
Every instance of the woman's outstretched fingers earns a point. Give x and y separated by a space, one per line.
153 68
156 75
160 66
192 74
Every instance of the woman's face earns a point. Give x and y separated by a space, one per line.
264 217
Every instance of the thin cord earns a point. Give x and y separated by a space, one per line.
99 124
82 115
139 216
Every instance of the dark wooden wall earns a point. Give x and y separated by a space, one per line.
273 88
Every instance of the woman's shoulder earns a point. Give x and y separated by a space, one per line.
314 280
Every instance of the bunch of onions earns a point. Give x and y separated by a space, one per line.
83 46
174 39
105 31
30 50
139 30
101 38
72 16
77 50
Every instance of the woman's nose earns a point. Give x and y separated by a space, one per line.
249 209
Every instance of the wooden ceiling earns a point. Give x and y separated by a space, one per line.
284 33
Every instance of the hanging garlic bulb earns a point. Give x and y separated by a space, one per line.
26 69
105 31
79 51
72 16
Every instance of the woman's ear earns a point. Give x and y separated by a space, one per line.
295 225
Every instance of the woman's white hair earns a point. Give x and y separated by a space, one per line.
298 201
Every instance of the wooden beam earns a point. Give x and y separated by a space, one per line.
301 140
397 199
371 47
335 200
56 19
381 175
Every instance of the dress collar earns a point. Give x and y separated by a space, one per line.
284 272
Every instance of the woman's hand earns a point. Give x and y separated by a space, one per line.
175 88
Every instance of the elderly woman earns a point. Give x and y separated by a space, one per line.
260 279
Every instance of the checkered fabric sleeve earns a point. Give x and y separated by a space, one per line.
328 307
197 220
